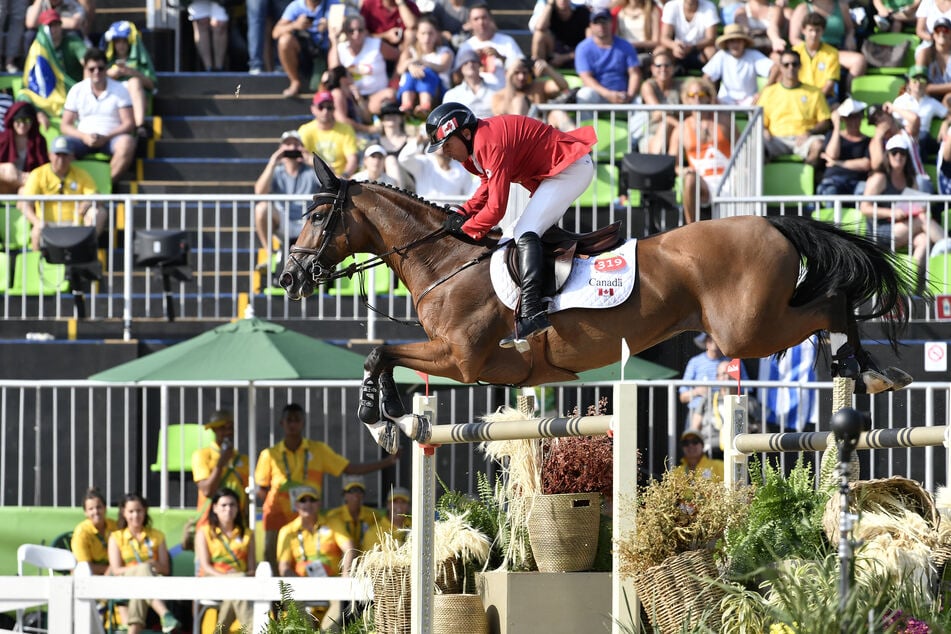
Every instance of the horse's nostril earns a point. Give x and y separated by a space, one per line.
286 280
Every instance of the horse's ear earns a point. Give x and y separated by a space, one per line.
325 175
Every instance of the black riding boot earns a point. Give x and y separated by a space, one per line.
532 315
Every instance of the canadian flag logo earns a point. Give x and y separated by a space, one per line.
446 129
605 291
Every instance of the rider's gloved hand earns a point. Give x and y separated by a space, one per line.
454 221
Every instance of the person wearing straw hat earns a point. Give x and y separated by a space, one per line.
220 465
736 66
846 152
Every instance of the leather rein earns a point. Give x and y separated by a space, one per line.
322 274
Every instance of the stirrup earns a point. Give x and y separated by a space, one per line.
524 329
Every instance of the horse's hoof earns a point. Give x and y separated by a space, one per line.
386 435
898 377
369 410
391 406
872 382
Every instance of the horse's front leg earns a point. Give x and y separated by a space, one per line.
378 394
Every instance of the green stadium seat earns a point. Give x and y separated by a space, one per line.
6 270
788 179
894 39
939 274
852 219
603 189
876 89
34 276
182 441
613 138
100 171
14 229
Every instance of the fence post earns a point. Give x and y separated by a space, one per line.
424 510
624 503
736 422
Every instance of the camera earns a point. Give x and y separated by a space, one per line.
225 445
292 154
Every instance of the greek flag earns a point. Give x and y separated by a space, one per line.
791 408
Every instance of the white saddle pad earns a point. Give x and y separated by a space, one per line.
604 281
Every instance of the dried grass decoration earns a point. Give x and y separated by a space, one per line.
668 553
898 525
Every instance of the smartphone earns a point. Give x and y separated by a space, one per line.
292 154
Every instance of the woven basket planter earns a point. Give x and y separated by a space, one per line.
680 590
459 614
391 600
563 531
915 498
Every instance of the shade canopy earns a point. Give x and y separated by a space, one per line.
636 369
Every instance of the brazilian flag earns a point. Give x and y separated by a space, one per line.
45 78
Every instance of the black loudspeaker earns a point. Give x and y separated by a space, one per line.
69 245
160 247
651 172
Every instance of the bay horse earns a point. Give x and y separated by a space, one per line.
737 279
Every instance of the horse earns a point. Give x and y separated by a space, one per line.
737 279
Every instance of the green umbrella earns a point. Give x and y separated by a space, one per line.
635 369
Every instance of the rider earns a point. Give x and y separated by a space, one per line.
554 166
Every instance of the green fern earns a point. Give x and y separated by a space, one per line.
291 618
482 513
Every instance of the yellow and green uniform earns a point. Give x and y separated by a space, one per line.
235 476
384 525
790 112
333 145
278 469
326 544
134 550
89 545
228 552
707 468
820 68
357 528
43 181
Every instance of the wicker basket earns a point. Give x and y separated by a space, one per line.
459 614
679 591
915 498
451 576
391 600
563 531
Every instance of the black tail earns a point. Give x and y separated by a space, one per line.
837 260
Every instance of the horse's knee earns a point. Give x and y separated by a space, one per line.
375 362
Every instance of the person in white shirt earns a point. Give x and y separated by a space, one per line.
497 51
916 99
97 115
373 167
473 91
437 176
689 29
736 66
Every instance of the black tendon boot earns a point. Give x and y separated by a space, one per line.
532 315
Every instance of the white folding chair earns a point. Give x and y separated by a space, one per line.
43 558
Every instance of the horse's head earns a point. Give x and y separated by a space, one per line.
314 255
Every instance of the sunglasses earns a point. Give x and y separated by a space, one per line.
308 500
897 152
356 30
95 69
702 93
920 80
663 65
791 64
325 106
691 441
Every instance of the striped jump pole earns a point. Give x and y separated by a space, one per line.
819 440
623 425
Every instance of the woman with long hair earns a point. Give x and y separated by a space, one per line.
638 22
90 541
660 88
22 147
138 550
349 105
224 546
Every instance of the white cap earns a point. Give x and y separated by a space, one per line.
376 148
851 106
897 142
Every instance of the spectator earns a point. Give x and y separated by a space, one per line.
705 140
71 13
661 88
930 17
436 175
702 367
397 522
791 409
352 514
694 461
130 63
97 116
557 27
220 466
528 85
349 105
737 66
846 152
894 15
638 22
13 21
90 541
373 158
393 139
944 158
764 22
453 19
54 63
210 30
297 461
303 41
839 31
335 142
916 100
22 147
424 69
472 91
819 61
138 550
900 225
607 65
689 29
289 170
366 58
225 547
393 21
496 50
887 125
796 115
59 177
262 16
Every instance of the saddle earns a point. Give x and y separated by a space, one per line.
560 249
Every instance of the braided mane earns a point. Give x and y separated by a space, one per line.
405 192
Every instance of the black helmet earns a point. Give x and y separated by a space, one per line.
448 119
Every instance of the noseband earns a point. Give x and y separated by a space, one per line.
318 272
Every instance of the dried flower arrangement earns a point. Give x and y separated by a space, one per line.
580 464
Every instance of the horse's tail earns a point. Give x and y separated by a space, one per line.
839 261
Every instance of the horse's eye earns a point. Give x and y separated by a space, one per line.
317 218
